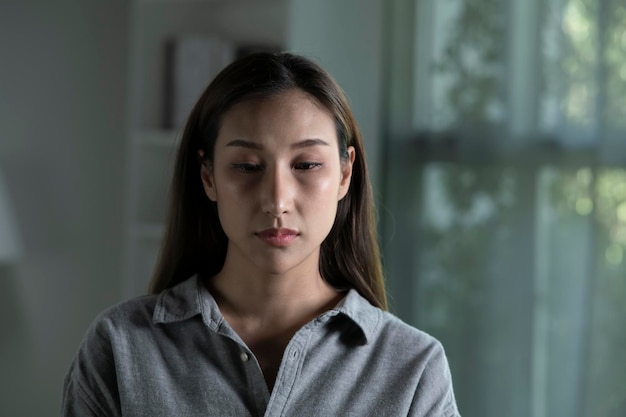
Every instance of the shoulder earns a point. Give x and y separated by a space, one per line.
385 331
396 338
425 356
124 316
113 327
403 355
392 339
138 319
404 333
90 387
113 331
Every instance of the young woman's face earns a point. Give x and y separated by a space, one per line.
277 179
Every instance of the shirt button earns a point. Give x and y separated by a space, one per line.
244 357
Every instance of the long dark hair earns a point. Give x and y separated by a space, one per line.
194 241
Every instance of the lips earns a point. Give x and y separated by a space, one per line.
277 237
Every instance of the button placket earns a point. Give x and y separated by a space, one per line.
292 363
256 383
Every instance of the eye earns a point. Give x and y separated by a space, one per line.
306 166
247 167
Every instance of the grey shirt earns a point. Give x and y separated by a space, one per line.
175 355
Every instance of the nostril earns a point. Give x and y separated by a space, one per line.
276 216
276 211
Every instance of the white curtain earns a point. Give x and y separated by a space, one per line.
504 209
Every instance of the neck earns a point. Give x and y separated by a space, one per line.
272 297
246 294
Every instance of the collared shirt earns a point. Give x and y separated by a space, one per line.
175 355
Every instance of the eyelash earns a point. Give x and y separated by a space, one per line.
247 167
250 168
307 166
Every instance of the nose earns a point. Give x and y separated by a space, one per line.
277 192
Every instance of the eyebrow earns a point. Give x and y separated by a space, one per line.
298 145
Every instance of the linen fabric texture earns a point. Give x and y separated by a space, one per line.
173 354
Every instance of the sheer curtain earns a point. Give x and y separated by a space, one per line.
504 206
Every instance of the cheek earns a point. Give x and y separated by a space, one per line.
311 191
233 199
324 188
321 196
233 212
229 187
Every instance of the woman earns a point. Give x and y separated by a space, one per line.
268 296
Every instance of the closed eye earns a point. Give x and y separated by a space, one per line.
305 166
247 167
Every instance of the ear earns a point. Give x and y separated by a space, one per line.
346 173
206 174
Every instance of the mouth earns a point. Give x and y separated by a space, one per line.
277 237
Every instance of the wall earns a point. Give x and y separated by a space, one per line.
62 107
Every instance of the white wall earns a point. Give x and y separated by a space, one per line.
345 37
62 98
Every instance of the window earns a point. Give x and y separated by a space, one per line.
504 216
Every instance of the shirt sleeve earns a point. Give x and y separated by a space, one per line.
90 388
434 396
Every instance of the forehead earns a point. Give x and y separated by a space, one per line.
294 114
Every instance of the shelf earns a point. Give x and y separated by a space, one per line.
242 23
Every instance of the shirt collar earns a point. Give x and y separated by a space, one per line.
179 302
190 298
367 317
